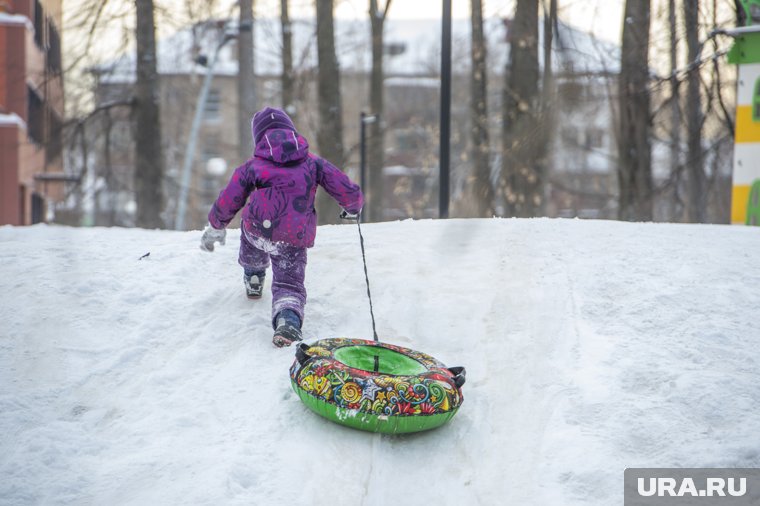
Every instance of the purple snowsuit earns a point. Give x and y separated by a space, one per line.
280 221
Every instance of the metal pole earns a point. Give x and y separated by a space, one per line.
735 32
179 223
363 153
365 119
246 86
445 128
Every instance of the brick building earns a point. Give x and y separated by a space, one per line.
31 110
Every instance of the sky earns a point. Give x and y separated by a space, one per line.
603 17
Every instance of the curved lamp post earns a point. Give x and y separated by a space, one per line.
179 223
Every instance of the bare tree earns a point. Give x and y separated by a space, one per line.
246 81
149 161
550 21
675 111
635 167
376 142
479 148
523 174
287 78
547 107
697 187
330 133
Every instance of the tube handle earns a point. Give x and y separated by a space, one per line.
301 353
459 375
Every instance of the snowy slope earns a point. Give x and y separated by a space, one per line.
590 347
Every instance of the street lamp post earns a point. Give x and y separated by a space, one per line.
364 120
445 128
179 223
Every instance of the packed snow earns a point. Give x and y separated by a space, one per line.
590 347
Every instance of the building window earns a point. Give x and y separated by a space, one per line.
569 136
410 140
571 92
54 49
36 117
213 105
121 134
55 143
22 205
39 25
594 138
38 208
210 148
209 185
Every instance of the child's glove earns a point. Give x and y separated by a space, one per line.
345 215
212 235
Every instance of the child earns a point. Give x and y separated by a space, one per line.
280 221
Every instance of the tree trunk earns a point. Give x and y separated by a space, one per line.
550 19
149 162
480 149
635 168
547 107
522 172
287 79
246 81
697 188
675 116
375 139
330 132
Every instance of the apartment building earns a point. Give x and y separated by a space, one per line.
31 110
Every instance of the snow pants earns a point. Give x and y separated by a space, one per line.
288 271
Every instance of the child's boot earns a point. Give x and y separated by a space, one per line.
254 285
288 328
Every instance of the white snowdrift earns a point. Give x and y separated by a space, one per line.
590 347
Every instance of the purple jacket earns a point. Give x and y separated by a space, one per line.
282 179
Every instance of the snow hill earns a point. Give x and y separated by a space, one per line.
590 347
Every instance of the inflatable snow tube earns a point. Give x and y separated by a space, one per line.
376 387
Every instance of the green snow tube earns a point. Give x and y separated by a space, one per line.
375 386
